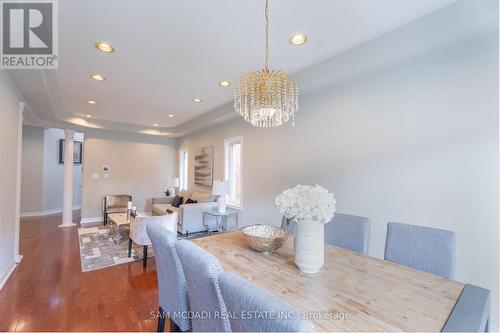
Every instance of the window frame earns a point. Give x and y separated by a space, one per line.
183 169
227 144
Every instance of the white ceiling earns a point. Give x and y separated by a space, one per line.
169 51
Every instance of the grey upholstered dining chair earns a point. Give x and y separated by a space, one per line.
346 231
172 289
202 271
242 296
427 249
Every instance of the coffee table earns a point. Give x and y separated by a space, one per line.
115 221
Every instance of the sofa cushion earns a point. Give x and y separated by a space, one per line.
186 194
177 201
202 197
173 209
160 209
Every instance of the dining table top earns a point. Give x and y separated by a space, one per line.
352 292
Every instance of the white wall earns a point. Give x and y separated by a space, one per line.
9 120
32 169
416 142
140 165
43 177
53 172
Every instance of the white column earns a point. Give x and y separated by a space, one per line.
68 179
17 256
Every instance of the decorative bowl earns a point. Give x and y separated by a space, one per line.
265 238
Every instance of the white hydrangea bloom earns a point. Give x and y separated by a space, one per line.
306 202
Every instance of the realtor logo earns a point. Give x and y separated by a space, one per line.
29 34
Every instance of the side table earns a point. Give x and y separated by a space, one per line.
220 219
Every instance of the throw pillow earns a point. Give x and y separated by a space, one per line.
177 201
190 201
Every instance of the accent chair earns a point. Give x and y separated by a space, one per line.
113 204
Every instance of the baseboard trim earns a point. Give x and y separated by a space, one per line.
4 276
89 220
46 212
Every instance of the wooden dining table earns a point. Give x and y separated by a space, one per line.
352 292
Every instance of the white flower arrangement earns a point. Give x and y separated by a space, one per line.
306 202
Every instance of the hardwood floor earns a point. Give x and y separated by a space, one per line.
49 292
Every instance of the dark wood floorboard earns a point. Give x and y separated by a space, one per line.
49 292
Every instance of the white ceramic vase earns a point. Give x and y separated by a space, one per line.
309 245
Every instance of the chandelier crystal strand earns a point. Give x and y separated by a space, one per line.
268 98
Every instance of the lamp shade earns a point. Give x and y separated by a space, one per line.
220 187
174 182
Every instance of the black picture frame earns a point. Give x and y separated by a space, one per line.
77 153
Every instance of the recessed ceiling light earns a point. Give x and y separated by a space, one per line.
91 102
196 100
224 83
104 47
155 125
98 77
298 39
88 115
171 115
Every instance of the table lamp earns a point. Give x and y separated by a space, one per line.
221 188
129 208
174 182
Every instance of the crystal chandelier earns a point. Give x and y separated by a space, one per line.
268 98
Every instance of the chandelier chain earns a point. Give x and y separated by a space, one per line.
267 98
266 62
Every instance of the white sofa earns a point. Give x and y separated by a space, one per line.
190 215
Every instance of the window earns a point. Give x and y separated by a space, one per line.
183 172
233 149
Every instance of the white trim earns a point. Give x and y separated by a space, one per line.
183 169
227 142
89 220
46 212
21 106
6 273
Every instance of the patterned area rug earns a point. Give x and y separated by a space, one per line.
99 250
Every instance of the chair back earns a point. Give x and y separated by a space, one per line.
171 281
242 297
287 226
427 249
116 200
347 231
471 313
202 271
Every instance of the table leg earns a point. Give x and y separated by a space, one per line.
144 256
110 230
161 320
129 247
